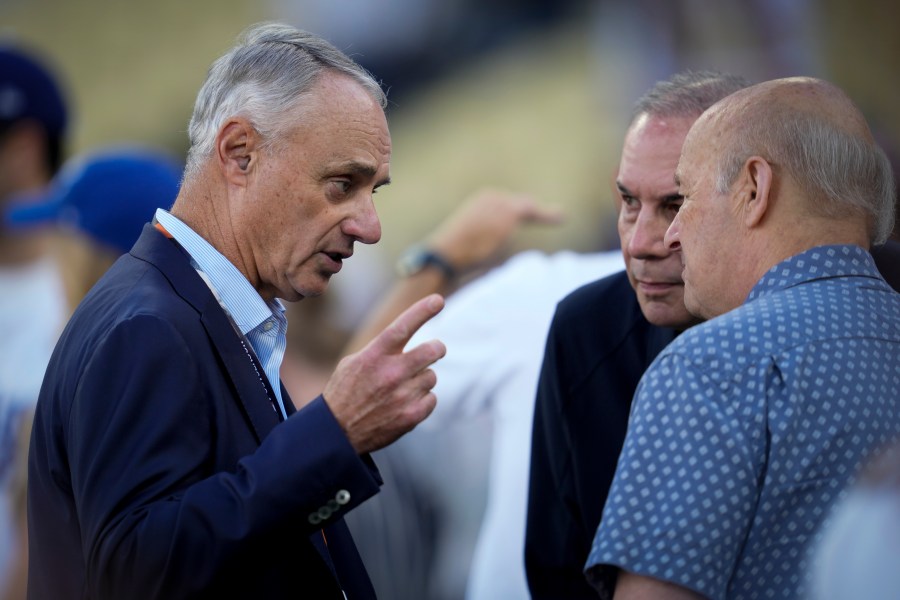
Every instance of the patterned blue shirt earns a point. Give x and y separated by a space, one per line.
747 428
263 324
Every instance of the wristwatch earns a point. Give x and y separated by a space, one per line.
417 258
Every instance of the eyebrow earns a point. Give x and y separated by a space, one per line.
362 170
623 190
626 192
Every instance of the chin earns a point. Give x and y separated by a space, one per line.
311 293
673 315
701 313
310 288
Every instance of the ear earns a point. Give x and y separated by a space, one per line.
755 189
237 147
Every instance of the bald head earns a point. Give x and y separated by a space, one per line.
767 173
804 96
810 131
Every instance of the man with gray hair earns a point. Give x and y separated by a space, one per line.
167 460
749 427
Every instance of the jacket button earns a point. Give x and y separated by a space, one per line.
342 497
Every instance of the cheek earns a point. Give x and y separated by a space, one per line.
689 222
626 230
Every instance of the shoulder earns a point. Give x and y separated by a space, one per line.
725 348
136 300
595 301
602 321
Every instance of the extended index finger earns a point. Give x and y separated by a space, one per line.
395 336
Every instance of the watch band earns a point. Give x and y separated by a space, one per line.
418 258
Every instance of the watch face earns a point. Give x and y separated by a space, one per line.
411 262
417 258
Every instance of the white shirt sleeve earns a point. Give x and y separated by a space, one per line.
497 325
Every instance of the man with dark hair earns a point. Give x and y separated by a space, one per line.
604 335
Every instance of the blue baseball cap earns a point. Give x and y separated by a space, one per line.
29 90
108 195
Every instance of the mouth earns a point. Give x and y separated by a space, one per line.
335 260
655 288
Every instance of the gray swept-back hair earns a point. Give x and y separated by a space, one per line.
264 78
687 94
840 171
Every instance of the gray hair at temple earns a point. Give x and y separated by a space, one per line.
264 78
841 171
687 94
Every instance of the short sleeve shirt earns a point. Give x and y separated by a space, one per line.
747 428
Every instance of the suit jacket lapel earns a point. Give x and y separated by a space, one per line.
174 263
258 405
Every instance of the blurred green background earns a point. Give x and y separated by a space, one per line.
542 111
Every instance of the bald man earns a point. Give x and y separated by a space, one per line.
747 428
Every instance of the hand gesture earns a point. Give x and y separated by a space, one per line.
382 392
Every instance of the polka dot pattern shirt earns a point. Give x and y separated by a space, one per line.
748 428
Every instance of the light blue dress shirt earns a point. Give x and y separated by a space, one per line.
262 323
748 428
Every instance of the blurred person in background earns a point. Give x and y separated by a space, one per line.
33 306
166 458
859 550
15 583
98 203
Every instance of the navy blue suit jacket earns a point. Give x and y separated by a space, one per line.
159 466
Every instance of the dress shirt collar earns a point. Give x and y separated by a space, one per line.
816 263
233 290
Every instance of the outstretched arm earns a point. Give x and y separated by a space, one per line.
468 238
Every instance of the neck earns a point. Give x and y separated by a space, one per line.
205 209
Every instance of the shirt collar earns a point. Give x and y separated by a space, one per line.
821 262
233 291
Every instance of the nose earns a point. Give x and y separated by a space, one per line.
673 235
364 225
646 239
